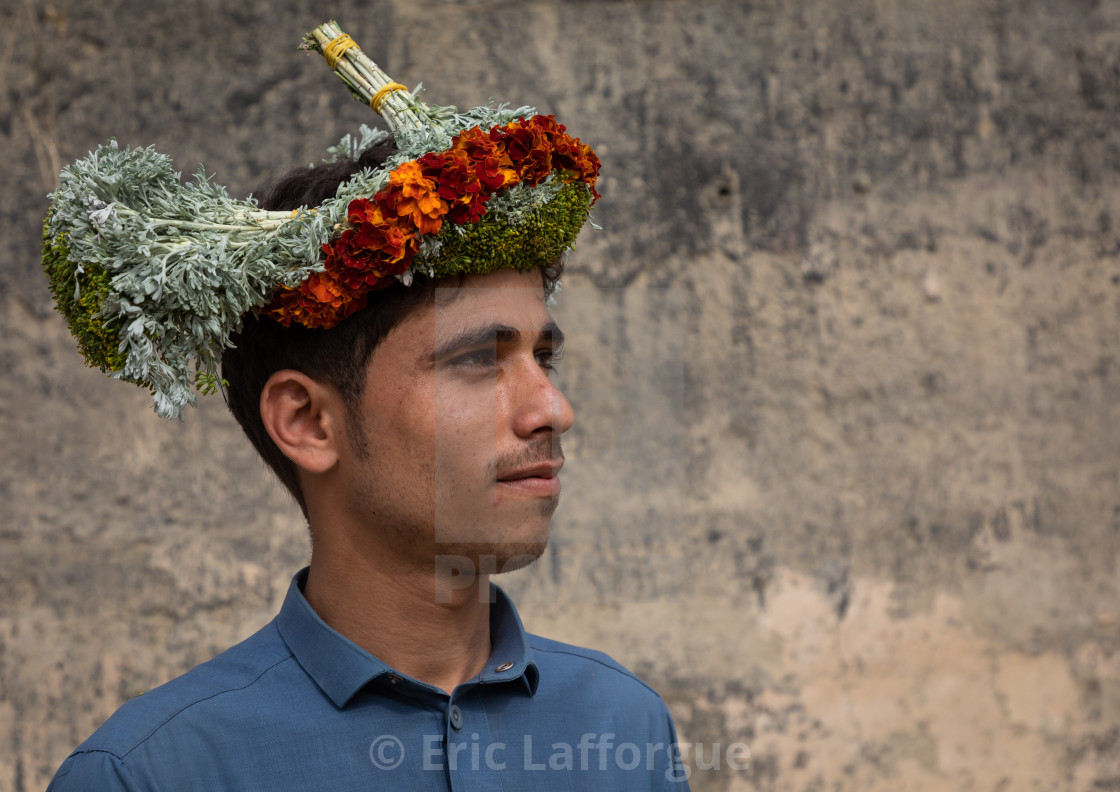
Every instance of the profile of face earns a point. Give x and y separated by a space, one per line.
454 450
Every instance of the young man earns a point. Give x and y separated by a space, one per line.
420 434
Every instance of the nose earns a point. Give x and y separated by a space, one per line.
540 406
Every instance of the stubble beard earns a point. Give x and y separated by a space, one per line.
416 543
497 557
456 540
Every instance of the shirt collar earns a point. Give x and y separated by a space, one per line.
509 645
341 668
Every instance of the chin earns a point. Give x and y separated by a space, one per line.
518 556
514 524
490 557
497 540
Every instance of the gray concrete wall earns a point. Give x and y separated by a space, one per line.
845 479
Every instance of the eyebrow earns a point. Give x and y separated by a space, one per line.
493 334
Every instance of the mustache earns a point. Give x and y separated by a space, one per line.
536 452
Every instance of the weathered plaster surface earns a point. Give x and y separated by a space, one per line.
845 479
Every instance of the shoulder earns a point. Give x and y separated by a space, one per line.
588 667
581 691
237 670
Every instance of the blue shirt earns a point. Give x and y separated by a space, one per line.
300 707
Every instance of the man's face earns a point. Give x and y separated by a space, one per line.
459 427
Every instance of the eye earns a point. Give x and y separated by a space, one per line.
548 358
477 358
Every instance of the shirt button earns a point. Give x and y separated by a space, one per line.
394 679
456 717
504 667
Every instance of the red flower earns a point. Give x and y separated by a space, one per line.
374 250
529 148
458 184
574 160
284 306
549 126
491 161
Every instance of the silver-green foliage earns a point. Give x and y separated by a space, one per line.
185 261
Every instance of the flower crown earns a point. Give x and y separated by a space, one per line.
153 274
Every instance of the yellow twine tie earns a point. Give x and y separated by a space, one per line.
336 47
383 94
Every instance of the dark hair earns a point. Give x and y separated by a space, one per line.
338 356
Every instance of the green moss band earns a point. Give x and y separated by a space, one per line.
98 340
493 243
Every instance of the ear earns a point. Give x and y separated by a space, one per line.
304 418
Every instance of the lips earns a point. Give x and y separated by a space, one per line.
546 469
537 480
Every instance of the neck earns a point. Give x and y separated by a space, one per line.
419 622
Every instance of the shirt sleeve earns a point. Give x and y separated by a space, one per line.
676 773
92 771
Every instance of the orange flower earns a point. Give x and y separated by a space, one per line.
413 195
324 288
318 302
374 228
